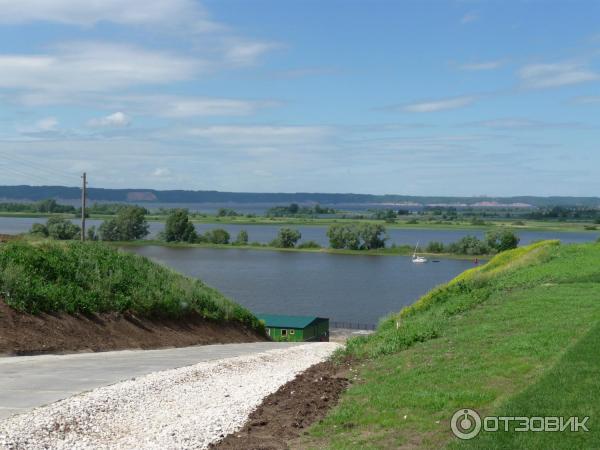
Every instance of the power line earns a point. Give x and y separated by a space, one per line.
49 171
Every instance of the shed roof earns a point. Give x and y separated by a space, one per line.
280 321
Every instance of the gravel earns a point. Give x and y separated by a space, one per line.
189 407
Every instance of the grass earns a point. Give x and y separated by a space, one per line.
73 277
518 336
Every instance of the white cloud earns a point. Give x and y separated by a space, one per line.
587 99
116 120
439 105
469 17
539 76
93 67
482 65
523 124
161 172
171 13
260 135
245 53
171 106
47 124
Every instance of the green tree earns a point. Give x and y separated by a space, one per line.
372 235
109 231
217 236
501 240
129 224
242 238
287 238
178 227
62 229
469 245
344 236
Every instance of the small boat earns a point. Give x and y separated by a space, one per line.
416 258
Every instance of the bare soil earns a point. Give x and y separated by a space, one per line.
28 334
285 414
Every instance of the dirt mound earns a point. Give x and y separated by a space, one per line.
26 334
285 414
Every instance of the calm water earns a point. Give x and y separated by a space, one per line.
266 233
342 287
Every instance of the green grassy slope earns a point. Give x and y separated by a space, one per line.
518 336
90 277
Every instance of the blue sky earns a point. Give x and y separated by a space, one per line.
380 96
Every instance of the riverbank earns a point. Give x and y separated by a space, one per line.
404 250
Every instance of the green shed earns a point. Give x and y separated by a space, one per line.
296 328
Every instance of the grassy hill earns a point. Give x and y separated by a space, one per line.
518 336
66 296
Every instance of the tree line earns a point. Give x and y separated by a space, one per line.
130 224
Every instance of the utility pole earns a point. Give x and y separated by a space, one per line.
83 198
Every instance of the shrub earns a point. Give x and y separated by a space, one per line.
178 227
39 229
242 238
501 240
364 236
129 224
468 245
309 244
286 238
435 247
217 236
59 228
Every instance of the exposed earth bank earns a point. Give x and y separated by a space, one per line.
27 334
285 414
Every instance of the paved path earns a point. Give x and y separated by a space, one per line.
30 381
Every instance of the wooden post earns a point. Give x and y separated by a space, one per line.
83 199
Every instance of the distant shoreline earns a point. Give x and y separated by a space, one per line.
529 225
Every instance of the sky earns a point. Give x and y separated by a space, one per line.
456 97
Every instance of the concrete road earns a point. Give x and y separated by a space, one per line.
27 382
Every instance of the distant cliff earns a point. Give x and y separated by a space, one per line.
180 196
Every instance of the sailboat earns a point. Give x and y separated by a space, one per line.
416 258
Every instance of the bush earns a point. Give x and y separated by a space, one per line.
57 228
501 240
287 238
39 229
93 277
365 236
129 224
309 244
217 236
468 245
435 247
178 227
242 238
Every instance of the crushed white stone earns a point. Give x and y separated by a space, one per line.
185 408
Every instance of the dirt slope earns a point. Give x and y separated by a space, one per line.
22 334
